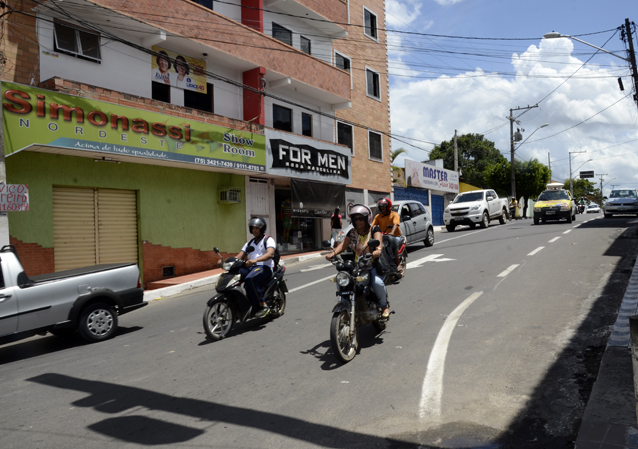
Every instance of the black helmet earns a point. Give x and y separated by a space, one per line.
259 223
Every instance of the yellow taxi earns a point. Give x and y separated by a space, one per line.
555 203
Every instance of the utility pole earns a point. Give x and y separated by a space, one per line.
512 120
632 58
549 162
456 154
602 175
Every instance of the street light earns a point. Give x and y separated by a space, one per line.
512 161
555 35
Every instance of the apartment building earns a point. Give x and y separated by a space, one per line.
151 131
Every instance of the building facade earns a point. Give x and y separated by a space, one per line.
151 131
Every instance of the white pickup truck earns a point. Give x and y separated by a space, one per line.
475 207
88 300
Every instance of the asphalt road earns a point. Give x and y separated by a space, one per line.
495 343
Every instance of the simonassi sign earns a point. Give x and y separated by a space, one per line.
300 157
427 176
34 116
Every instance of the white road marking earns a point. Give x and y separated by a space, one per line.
312 283
508 271
464 235
429 258
536 250
567 232
316 267
553 240
432 389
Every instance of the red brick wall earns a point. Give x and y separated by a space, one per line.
20 47
34 258
185 261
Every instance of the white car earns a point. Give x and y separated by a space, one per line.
593 208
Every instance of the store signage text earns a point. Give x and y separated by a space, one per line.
307 159
14 197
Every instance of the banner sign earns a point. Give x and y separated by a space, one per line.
301 157
33 116
587 174
14 197
430 177
315 199
178 71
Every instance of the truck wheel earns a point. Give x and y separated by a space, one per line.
98 322
450 228
503 218
429 239
486 221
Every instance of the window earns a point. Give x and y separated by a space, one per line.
306 124
198 100
372 83
305 45
370 24
282 34
281 118
374 145
161 92
416 209
342 62
345 135
78 43
207 3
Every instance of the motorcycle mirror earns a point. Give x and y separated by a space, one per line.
373 244
250 249
216 250
325 244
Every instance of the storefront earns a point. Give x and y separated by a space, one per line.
112 183
311 179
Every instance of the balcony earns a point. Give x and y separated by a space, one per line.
317 12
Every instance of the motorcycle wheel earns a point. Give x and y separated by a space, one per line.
344 347
218 319
278 303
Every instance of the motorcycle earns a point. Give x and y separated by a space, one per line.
357 304
581 209
231 304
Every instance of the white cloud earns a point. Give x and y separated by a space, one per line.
473 102
401 13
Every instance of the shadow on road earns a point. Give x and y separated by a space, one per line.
111 398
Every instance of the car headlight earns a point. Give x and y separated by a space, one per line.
564 206
343 279
475 207
537 208
446 211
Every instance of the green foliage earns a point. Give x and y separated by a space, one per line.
584 188
476 155
531 178
396 153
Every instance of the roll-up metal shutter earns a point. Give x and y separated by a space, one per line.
73 227
117 226
93 226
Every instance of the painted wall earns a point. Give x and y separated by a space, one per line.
178 208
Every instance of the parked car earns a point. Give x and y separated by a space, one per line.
416 222
554 203
88 300
622 201
475 207
593 208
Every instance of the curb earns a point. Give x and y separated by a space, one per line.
161 293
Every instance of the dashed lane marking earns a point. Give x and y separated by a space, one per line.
508 271
537 250
567 232
553 240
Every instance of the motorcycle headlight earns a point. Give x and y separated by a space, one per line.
224 281
227 265
343 279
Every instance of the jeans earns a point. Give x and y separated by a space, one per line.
254 279
378 287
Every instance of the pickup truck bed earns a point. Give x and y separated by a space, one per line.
77 272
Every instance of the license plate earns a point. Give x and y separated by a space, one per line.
550 212
457 219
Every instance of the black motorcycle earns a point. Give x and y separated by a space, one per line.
357 304
230 304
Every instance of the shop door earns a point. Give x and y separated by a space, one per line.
94 226
437 210
259 202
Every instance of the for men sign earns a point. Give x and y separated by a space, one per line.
300 157
586 174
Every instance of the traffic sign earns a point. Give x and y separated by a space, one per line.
586 174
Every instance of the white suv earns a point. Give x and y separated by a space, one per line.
622 201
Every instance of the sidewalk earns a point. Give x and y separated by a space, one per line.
609 421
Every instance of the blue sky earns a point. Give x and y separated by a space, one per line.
440 84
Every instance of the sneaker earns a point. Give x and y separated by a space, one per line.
386 313
262 312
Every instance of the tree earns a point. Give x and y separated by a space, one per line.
475 155
396 153
531 178
584 188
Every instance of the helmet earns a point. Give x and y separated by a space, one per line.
360 209
259 223
384 202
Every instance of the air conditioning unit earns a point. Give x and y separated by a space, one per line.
230 195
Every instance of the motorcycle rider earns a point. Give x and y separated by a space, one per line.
387 218
259 264
357 238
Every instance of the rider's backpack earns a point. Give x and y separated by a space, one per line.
276 257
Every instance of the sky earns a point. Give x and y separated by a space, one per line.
442 84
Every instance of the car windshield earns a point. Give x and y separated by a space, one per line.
468 197
623 194
553 195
